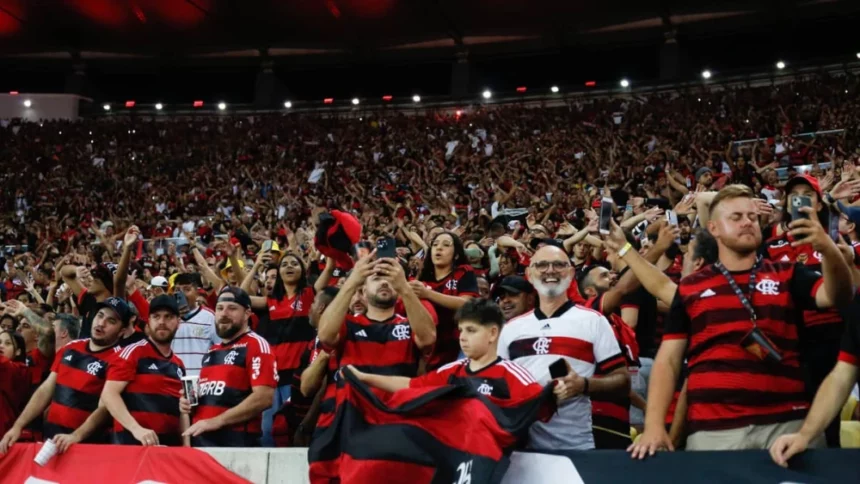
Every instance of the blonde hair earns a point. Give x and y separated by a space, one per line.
730 192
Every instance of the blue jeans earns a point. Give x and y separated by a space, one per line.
282 396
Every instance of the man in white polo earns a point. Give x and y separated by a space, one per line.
581 337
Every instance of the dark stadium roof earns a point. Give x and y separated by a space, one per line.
169 50
100 29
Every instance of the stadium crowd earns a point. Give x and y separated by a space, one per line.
263 254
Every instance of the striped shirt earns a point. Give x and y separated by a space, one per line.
501 380
195 335
728 387
584 339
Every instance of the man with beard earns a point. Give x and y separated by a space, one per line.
75 383
582 338
379 341
740 317
515 296
237 381
142 391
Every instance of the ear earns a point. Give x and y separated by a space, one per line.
712 227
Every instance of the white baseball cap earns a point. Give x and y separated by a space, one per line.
158 281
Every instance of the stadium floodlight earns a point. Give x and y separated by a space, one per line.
554 89
706 74
222 106
858 55
106 107
355 101
28 103
780 65
416 98
159 106
625 83
487 94
288 104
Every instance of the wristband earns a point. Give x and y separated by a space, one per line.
585 388
624 250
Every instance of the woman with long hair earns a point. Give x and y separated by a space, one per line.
288 329
447 281
15 383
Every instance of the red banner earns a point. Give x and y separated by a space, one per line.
117 464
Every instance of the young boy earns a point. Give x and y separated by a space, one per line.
480 322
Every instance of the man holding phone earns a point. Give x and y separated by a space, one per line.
196 331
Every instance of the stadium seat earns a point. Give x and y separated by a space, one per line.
848 409
849 435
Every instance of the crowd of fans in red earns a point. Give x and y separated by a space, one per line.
119 212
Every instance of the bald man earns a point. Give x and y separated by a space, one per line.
582 338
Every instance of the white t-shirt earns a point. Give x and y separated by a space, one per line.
585 340
196 334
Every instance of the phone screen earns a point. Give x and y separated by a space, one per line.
386 248
267 246
605 215
798 201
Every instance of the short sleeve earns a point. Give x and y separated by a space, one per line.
467 285
261 366
433 379
849 350
607 353
521 383
55 365
502 344
804 285
123 369
678 321
631 300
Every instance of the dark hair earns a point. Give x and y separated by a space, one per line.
279 292
19 343
706 246
329 293
192 278
481 311
583 278
15 321
428 272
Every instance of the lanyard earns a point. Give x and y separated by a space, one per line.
734 285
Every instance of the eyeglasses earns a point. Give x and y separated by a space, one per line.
558 265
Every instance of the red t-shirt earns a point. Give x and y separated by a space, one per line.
14 391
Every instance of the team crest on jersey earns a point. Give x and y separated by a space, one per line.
230 359
94 368
817 255
298 305
401 332
768 287
451 285
778 244
179 372
485 389
541 346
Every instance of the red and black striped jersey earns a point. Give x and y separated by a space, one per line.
299 405
230 371
612 411
849 350
460 282
729 387
288 330
826 324
152 394
81 375
500 380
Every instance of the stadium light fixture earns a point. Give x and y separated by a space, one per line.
554 89
15 93
780 65
858 55
487 94
416 98
222 106
28 103
625 83
159 106
288 104
106 107
706 74
355 101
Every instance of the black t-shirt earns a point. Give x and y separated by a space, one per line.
87 307
646 321
849 351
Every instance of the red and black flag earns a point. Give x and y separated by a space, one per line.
432 435
336 236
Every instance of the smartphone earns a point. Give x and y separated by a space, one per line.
834 227
672 218
386 248
267 246
798 201
558 369
605 215
181 301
